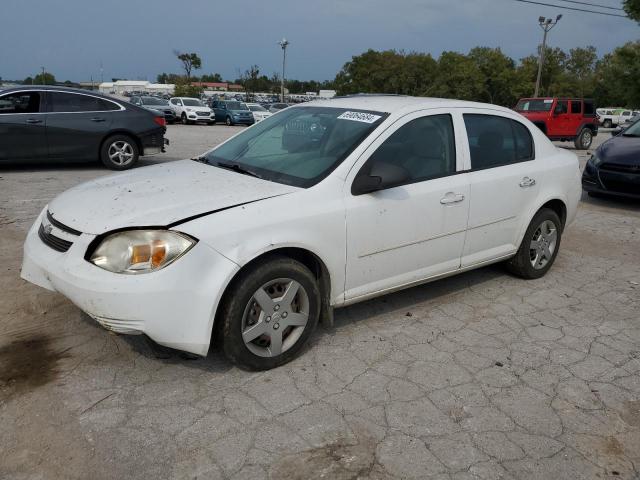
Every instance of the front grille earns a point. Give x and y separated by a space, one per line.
52 241
48 238
617 167
203 114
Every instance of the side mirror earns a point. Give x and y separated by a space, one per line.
381 175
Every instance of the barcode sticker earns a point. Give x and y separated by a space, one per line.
359 117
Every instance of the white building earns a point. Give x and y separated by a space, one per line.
121 86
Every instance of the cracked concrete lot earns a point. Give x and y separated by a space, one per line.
479 376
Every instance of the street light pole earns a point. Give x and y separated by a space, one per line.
546 24
44 80
284 43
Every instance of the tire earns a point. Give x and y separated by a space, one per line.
521 264
241 314
229 122
607 124
584 139
119 152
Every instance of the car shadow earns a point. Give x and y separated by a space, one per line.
611 201
43 166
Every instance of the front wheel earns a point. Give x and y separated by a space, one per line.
269 313
539 246
229 122
119 152
584 139
607 124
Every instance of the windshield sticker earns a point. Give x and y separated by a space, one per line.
359 117
548 101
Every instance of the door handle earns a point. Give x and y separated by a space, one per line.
33 121
97 119
527 182
450 198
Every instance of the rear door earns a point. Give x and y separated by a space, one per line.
562 119
22 126
77 124
503 185
576 116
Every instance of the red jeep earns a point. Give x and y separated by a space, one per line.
563 119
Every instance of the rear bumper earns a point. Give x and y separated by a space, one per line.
153 143
174 306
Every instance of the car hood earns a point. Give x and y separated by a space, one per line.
159 195
621 150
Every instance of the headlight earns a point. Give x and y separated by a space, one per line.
595 160
189 109
140 251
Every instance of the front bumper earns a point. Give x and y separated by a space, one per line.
607 182
243 120
174 306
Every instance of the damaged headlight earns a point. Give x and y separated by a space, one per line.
140 251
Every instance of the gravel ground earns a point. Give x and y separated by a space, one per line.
477 376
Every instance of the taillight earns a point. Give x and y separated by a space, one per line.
160 121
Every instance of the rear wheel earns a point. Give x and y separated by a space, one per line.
119 152
584 139
539 246
269 314
607 124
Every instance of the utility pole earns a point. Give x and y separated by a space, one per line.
44 80
284 43
546 24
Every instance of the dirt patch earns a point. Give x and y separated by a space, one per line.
613 447
631 413
338 461
27 364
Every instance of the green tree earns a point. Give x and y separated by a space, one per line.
581 68
184 88
617 76
190 61
458 77
213 77
632 7
45 78
499 73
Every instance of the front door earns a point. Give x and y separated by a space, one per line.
22 127
409 232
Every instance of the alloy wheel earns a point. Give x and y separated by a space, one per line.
121 153
543 244
587 138
275 317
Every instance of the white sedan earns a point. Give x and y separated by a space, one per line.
258 111
324 205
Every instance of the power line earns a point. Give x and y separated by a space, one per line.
572 8
593 5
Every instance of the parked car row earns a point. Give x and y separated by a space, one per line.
613 117
39 123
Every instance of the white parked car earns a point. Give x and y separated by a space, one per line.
191 110
258 111
609 118
324 205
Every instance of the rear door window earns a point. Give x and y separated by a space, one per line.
20 102
495 141
576 107
64 102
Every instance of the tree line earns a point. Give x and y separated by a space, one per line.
488 75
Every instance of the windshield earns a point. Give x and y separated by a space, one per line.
192 102
257 108
236 106
633 130
299 146
154 101
534 105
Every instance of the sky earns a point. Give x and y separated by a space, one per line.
135 39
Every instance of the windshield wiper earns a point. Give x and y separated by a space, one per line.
200 159
629 135
237 168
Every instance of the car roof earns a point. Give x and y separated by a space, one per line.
31 88
397 103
